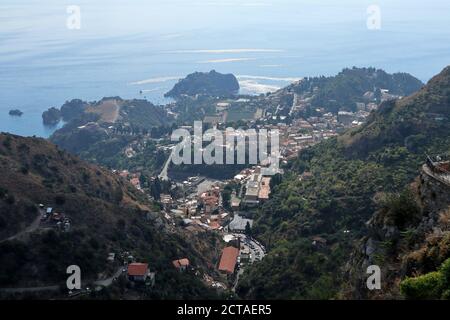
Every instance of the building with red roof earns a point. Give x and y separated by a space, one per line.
228 260
181 264
138 271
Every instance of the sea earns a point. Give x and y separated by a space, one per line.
52 51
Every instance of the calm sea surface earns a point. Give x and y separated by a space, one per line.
125 47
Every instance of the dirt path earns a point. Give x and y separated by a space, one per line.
32 227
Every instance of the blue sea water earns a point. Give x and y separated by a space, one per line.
125 47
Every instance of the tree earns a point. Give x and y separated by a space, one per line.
226 197
428 286
402 209
248 229
276 180
155 189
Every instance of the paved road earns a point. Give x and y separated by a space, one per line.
164 175
236 281
33 289
443 178
254 248
105 283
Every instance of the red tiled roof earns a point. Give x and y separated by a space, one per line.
135 181
137 269
181 263
228 259
214 225
445 166
265 189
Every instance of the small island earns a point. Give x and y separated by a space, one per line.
205 83
51 117
15 113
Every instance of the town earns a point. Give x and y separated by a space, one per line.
204 197
225 207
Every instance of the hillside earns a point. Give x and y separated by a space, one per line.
409 238
352 85
211 83
106 215
142 114
310 226
407 121
101 132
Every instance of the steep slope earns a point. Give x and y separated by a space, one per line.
406 121
106 215
310 225
408 237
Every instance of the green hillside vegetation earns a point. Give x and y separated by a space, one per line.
382 156
110 154
88 136
192 109
348 87
430 286
107 215
210 83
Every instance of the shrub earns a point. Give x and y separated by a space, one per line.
86 177
446 295
445 271
3 192
402 209
60 200
426 287
10 199
32 209
7 143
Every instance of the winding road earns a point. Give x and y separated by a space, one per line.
32 227
104 283
164 172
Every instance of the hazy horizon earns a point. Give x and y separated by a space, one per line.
123 48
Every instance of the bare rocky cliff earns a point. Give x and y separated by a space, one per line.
407 247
